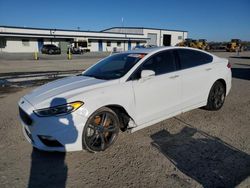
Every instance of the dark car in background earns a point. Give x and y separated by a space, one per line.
74 50
50 49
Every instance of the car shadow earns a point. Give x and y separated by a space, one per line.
48 169
241 73
206 159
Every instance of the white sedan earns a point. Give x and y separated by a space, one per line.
126 91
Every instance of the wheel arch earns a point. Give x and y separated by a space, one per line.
122 114
218 80
223 82
209 105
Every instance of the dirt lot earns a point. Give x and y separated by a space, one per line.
195 149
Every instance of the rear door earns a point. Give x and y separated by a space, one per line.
158 95
196 69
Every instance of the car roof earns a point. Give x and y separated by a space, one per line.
158 49
147 50
154 50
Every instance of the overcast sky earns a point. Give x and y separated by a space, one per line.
215 20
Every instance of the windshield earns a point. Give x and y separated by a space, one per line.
114 67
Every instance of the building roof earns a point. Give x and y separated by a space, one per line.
106 30
49 29
62 33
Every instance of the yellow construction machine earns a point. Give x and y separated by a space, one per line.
188 43
234 46
202 44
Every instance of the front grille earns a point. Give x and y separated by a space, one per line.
25 117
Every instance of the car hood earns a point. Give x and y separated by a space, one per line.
65 88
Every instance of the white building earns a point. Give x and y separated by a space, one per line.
24 39
158 37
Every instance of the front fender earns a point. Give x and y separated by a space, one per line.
119 94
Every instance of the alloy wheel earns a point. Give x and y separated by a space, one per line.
101 131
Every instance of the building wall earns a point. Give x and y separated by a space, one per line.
113 44
95 45
160 33
16 45
176 37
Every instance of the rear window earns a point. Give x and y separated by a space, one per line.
192 58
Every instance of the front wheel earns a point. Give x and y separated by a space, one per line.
101 130
216 96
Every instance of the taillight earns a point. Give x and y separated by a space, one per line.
229 65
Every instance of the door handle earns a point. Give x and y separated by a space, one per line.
208 69
173 77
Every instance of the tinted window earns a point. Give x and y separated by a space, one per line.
192 58
161 63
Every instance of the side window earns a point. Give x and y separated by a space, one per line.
161 63
192 58
169 62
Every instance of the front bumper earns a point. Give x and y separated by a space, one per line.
55 133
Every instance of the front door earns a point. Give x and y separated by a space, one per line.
159 95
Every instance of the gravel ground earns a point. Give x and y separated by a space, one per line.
196 149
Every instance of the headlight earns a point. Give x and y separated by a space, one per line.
59 110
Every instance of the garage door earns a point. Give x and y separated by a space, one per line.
152 39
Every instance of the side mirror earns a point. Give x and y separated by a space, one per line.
147 74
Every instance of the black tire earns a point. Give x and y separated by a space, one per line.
216 96
101 130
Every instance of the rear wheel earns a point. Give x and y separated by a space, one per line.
216 96
101 130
